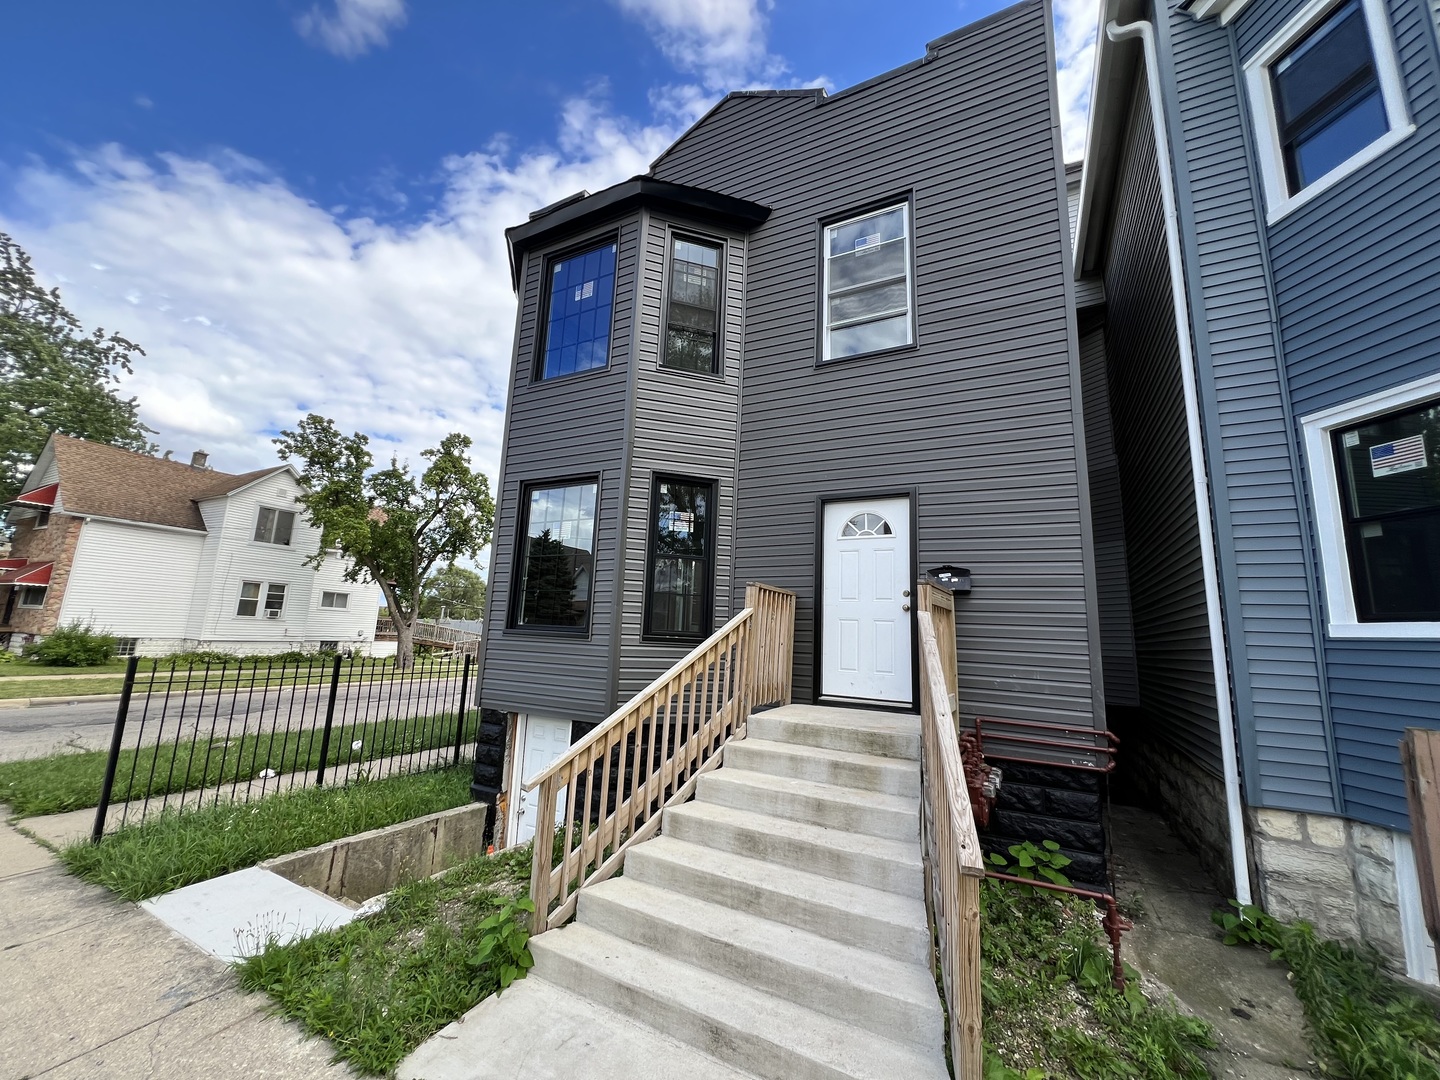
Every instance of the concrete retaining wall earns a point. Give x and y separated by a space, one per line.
370 863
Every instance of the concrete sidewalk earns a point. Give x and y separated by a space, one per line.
93 986
1258 1021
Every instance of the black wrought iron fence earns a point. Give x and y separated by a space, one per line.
190 734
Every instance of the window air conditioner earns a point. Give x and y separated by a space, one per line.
272 613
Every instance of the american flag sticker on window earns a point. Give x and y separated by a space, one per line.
1399 456
584 292
865 243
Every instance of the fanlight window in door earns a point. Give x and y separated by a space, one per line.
866 525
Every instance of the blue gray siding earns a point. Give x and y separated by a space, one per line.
1162 540
980 420
1357 284
562 428
686 425
1266 554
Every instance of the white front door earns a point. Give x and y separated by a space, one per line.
865 635
542 742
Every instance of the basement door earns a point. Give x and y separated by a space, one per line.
543 742
865 627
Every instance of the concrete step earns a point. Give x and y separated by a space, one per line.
885 996
843 768
886 922
541 1032
860 731
873 861
744 1027
869 812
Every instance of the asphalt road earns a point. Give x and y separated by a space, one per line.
87 725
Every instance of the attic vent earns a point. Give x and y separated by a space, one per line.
199 459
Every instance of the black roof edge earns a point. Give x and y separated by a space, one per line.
979 24
575 215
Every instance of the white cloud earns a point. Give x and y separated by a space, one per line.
720 41
1076 22
353 28
255 305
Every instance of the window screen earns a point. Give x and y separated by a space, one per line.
274 526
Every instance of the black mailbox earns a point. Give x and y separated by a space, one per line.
954 578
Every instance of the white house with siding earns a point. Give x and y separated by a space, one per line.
169 556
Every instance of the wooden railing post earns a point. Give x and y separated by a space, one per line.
540 893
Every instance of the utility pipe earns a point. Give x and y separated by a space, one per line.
1240 865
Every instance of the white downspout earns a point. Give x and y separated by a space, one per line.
1240 865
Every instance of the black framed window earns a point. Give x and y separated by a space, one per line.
1390 497
579 303
556 557
867 284
678 586
1328 103
692 322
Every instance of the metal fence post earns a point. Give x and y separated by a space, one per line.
329 720
460 723
113 761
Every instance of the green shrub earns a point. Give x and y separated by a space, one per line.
75 645
7 657
199 658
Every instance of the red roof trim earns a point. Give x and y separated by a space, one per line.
44 496
12 564
31 574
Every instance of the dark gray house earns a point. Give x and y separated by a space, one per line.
827 343
1258 260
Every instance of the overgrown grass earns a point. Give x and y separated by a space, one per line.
380 986
178 849
61 782
1050 1010
1368 1026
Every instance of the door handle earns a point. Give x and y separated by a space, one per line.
904 607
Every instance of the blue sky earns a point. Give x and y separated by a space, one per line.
299 205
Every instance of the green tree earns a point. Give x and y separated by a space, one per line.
453 592
54 376
393 525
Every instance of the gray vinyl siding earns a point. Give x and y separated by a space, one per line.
1162 540
1357 285
979 419
560 429
1266 555
684 425
1112 576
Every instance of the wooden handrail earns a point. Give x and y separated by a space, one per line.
954 866
611 787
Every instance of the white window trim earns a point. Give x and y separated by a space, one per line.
20 600
1342 620
260 615
295 515
829 226
1278 200
345 596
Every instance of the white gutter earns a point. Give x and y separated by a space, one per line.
1240 865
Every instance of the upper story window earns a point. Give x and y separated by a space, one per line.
867 284
1375 470
677 599
334 600
555 557
274 526
692 321
32 596
42 520
1327 97
578 307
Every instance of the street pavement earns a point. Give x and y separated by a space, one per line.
39 730
95 987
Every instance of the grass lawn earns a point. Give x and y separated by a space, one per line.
246 678
380 986
61 782
1049 1009
178 849
19 669
58 688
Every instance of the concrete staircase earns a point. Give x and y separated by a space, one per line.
775 929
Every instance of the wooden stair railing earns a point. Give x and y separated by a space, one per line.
954 866
611 787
